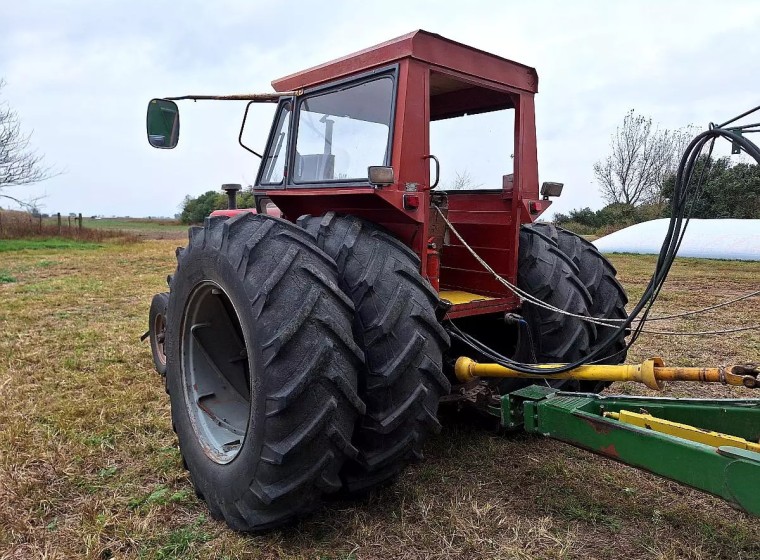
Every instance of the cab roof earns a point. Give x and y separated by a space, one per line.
429 48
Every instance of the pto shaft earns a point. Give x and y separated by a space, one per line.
653 373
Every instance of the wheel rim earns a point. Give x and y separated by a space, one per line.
215 372
159 328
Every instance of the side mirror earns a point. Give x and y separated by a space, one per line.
380 175
162 123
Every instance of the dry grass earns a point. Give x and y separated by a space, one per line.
22 225
89 466
145 228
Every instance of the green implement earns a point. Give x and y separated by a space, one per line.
710 445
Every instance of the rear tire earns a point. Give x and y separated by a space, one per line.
548 274
608 297
546 336
403 342
261 369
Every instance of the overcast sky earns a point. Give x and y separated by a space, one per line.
80 73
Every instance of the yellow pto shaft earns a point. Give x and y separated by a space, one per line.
652 372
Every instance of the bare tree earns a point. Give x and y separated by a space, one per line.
19 164
642 156
463 181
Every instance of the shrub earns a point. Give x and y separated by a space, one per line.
195 210
580 229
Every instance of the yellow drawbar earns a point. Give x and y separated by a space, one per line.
684 431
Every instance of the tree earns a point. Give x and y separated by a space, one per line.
463 181
195 210
19 164
642 156
736 192
612 217
727 191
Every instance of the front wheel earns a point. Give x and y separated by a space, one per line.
547 336
157 330
608 297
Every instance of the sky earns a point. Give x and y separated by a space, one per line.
79 74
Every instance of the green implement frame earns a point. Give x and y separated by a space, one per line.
584 420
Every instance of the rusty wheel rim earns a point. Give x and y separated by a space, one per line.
159 328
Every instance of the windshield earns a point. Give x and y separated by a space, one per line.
343 132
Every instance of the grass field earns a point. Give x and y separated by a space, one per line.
152 226
18 228
17 224
149 228
89 466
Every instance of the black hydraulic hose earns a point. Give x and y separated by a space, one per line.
682 201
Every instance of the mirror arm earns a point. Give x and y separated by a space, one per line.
260 97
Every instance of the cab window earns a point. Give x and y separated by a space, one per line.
472 132
342 132
275 166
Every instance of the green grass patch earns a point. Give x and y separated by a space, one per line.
732 538
7 245
135 224
6 278
581 506
161 496
181 543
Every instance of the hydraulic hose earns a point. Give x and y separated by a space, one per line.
685 192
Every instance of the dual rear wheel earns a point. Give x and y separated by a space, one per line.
291 376
302 361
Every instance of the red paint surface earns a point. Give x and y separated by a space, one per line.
609 451
232 213
489 222
600 426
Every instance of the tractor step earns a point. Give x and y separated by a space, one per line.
458 297
711 445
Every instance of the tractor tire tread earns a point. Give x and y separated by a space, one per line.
402 340
548 274
158 306
303 322
608 297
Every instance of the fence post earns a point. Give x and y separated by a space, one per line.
80 221
40 223
59 223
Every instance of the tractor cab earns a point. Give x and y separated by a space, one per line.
452 129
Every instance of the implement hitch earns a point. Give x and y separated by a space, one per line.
711 445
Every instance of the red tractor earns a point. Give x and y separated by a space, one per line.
306 344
